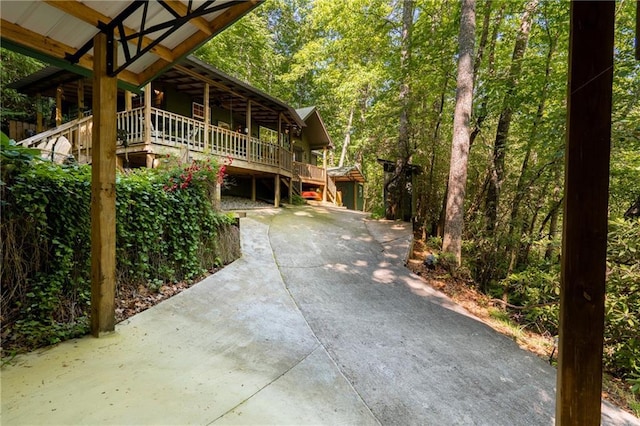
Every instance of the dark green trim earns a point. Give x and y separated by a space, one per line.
61 63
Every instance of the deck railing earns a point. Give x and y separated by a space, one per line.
171 130
309 171
77 132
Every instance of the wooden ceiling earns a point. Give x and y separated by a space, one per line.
148 35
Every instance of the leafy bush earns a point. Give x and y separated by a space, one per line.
297 200
167 230
537 287
622 308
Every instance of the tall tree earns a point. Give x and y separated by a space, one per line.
504 122
397 184
454 222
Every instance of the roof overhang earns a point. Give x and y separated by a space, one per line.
147 36
346 174
188 78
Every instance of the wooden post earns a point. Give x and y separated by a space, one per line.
217 196
39 126
326 175
279 128
355 195
207 114
59 106
103 193
128 100
584 238
276 196
248 125
147 115
81 98
253 188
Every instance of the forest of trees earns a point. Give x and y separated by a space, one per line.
385 76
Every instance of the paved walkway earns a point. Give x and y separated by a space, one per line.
317 323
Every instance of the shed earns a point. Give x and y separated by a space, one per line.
349 182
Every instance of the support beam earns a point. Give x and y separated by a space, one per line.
248 124
128 100
103 194
39 121
147 115
81 98
94 18
217 196
207 114
584 238
280 129
253 188
59 92
326 175
276 196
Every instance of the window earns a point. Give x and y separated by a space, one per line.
197 110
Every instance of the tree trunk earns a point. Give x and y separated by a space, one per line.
431 183
523 186
504 122
482 113
347 139
454 221
396 186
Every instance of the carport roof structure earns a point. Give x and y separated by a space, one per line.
126 43
145 37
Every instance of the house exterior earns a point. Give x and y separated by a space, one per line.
193 111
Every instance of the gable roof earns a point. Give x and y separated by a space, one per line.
318 136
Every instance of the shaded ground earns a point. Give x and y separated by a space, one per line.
319 322
482 306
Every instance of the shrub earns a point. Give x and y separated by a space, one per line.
166 230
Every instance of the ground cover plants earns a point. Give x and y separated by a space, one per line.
168 235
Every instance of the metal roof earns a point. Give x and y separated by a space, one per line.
346 173
189 78
190 75
148 35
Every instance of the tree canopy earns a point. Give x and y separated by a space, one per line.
348 59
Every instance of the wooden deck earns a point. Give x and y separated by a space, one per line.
170 133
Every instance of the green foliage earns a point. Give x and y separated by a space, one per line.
297 200
622 309
13 67
537 288
13 156
167 230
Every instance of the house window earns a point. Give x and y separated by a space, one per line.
268 135
197 110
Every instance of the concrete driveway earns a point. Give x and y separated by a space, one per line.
317 323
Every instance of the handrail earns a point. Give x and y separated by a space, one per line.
174 130
309 171
55 132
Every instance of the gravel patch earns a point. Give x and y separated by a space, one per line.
229 203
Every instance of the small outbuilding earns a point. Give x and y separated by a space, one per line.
349 182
